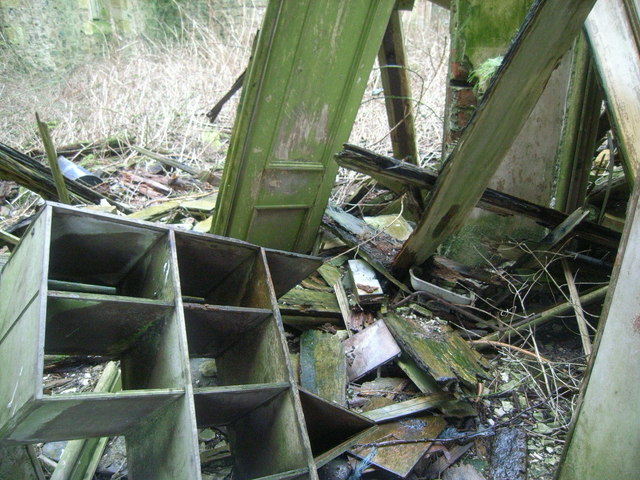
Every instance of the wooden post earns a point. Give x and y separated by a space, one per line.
397 91
546 35
579 130
612 39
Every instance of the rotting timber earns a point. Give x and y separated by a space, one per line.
167 311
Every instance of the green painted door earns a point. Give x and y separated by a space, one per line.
301 95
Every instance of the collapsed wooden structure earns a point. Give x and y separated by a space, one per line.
280 171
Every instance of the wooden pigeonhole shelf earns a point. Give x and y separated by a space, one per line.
151 296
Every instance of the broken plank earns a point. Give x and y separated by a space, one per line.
36 177
546 34
438 349
368 349
407 408
366 286
425 382
400 459
304 301
617 60
303 322
377 248
323 368
370 163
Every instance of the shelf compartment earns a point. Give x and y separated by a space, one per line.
97 249
86 415
103 325
220 406
275 424
212 329
213 268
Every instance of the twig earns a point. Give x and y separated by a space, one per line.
512 347
549 314
215 111
165 160
577 307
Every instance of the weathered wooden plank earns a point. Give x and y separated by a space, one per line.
610 395
299 418
163 360
400 459
546 35
58 178
397 91
579 130
369 163
377 248
24 274
162 446
22 378
437 349
368 349
274 424
407 408
323 368
87 415
617 59
329 424
35 176
309 302
94 248
289 269
425 382
94 324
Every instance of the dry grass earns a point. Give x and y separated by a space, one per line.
159 92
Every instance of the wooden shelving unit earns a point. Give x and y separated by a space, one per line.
152 297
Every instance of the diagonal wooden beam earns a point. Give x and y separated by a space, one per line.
546 34
610 30
370 163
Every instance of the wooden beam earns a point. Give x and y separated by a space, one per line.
397 91
369 163
617 59
579 130
546 34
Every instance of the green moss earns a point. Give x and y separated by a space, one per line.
484 28
482 75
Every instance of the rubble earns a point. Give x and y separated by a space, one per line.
390 359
